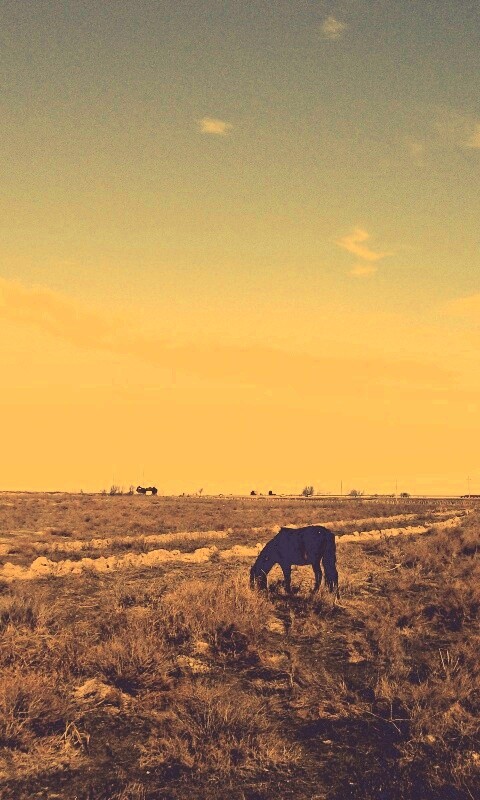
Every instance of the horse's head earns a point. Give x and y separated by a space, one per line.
261 568
258 578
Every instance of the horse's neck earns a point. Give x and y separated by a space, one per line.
268 553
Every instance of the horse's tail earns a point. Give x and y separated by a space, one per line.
329 562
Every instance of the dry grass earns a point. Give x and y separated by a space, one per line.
218 729
179 681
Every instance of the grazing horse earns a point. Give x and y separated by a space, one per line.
290 546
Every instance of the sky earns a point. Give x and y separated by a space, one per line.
240 245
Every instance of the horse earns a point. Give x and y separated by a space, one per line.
310 545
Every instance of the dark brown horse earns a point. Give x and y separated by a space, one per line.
310 545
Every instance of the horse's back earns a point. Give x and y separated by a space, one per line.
302 545
309 530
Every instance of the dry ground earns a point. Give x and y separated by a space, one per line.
170 679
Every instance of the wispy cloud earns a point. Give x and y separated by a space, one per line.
354 243
63 317
362 270
468 306
474 140
217 127
57 315
455 129
417 150
332 28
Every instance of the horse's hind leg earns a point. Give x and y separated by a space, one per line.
318 575
287 574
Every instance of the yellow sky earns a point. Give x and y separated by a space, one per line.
93 398
239 245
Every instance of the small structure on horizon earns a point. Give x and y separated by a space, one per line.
145 489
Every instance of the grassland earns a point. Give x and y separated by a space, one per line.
173 680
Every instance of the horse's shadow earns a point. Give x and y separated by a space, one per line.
299 604
300 596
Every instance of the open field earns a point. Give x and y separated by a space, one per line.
135 662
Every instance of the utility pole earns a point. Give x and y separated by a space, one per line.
341 488
468 485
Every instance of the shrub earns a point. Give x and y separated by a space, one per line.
219 730
308 491
30 705
188 611
133 659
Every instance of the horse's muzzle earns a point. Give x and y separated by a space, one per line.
258 580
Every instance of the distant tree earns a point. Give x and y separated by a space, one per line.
404 494
200 491
131 489
308 491
114 489
253 493
355 493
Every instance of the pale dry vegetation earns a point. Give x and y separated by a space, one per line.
178 681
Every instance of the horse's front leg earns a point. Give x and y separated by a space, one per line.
318 575
287 575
